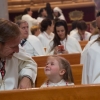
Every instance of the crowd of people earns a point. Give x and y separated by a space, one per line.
46 35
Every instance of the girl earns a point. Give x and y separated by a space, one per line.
94 30
70 44
46 34
58 71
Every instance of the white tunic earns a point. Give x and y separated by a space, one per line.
33 46
61 83
45 40
18 66
76 35
94 37
31 21
40 19
91 63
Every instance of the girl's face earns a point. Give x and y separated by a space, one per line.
51 28
37 32
60 30
44 13
92 29
56 14
52 67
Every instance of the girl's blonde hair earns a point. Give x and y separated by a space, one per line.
65 65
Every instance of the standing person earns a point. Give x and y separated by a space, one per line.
81 34
30 43
46 35
90 59
17 69
58 14
94 30
49 11
28 18
58 72
42 14
70 45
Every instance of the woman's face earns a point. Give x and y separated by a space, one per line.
92 29
56 14
44 13
60 30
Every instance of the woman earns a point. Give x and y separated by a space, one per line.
70 44
94 30
46 34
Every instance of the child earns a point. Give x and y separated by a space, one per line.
58 72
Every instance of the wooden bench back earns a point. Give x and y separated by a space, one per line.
79 92
72 58
76 71
83 43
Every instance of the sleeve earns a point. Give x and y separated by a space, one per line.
43 85
35 21
27 66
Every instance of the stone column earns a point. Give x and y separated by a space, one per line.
4 9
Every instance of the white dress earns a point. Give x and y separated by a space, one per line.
33 46
91 63
94 37
76 35
31 21
45 40
18 66
40 19
61 83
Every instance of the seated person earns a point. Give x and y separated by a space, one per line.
30 43
17 69
70 44
35 30
81 34
58 72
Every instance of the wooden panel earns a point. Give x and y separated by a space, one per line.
76 71
79 92
83 43
72 58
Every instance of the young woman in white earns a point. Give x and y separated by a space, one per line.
58 71
61 37
46 34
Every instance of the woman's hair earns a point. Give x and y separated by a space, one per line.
44 24
63 63
74 24
40 12
93 23
56 40
8 30
34 29
82 25
19 22
26 10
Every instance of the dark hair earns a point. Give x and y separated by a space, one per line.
8 30
40 12
19 22
74 24
63 63
26 10
98 14
57 39
44 24
82 25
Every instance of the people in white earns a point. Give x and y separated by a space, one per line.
58 13
94 37
28 18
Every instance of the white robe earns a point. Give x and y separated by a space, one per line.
40 19
45 40
31 21
90 59
76 35
33 46
94 37
18 66
61 83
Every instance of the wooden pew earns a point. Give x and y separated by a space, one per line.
83 43
72 58
79 92
76 71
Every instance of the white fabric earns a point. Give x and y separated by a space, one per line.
76 35
18 66
31 21
57 9
33 46
45 40
73 31
94 37
40 19
61 83
91 63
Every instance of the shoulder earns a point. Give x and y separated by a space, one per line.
71 38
